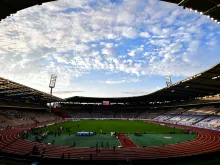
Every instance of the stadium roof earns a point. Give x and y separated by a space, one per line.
8 7
207 7
14 91
203 84
211 8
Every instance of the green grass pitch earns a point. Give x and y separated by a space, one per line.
156 135
107 126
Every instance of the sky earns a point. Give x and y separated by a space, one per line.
106 48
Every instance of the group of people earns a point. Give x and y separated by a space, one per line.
98 148
102 145
36 151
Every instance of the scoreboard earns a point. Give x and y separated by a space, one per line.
105 103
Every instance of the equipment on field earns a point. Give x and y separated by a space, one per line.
85 133
137 134
115 133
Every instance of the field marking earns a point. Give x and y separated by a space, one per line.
132 141
119 141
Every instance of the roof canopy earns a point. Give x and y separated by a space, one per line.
8 7
200 85
14 91
210 8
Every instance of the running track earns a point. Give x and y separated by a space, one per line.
207 141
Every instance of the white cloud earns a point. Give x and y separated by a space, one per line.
126 17
156 30
109 50
139 92
133 80
129 32
145 34
133 38
133 52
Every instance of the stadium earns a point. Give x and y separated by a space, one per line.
175 125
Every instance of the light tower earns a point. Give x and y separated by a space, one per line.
52 84
168 81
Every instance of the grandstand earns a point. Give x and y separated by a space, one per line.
17 114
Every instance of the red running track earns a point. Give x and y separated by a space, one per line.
126 142
207 141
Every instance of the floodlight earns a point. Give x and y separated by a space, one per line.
168 81
52 81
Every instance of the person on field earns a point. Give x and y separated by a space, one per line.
42 155
44 150
114 148
96 149
62 156
102 145
124 140
107 145
74 144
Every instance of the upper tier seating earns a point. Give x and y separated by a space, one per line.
191 119
210 122
202 111
147 115
176 111
79 115
102 114
164 117
150 114
180 119
176 118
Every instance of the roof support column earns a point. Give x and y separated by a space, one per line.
183 2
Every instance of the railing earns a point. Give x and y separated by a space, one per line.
73 119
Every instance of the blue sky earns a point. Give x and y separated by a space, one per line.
106 48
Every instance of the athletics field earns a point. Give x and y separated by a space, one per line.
151 134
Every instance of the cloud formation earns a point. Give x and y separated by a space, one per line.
74 38
120 81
